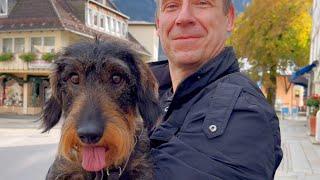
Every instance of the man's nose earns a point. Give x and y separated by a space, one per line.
185 16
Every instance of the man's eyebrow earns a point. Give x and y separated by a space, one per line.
163 2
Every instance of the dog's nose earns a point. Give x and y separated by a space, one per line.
89 134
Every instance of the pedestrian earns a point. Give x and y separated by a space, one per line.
217 124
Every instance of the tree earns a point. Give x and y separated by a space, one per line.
272 34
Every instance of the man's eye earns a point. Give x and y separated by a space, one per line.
170 6
203 3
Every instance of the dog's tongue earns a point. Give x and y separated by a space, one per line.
93 158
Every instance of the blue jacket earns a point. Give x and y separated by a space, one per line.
217 125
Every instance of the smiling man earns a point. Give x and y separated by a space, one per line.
217 123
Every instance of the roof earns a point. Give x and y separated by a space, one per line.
110 6
29 15
66 15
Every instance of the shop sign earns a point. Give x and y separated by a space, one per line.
39 64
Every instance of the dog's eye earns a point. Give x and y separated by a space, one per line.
116 79
74 79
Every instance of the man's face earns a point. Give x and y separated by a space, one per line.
193 31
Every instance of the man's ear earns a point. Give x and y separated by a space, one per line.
52 110
148 98
231 18
157 25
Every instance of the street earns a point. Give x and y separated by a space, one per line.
26 154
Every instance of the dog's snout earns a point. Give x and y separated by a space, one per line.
90 134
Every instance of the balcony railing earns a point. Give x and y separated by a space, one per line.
19 65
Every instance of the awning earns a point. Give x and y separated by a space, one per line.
303 70
302 81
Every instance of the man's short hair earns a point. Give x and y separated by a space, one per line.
226 6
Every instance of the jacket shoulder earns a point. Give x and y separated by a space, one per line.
160 69
250 93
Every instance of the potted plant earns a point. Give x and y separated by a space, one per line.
313 104
49 57
6 57
28 57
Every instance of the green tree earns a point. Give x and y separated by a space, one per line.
272 34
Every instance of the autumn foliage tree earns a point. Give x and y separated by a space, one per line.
272 34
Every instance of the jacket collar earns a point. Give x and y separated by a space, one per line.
219 66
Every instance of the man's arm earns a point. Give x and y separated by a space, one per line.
247 148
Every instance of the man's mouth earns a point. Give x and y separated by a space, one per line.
188 37
93 158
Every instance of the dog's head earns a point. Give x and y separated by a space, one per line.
100 90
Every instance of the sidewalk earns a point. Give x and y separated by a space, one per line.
25 131
301 158
18 122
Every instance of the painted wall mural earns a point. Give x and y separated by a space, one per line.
11 93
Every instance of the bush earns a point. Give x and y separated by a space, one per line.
28 57
6 57
49 57
313 101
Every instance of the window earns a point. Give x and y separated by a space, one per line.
49 43
119 27
89 19
42 44
7 45
3 7
14 45
19 45
95 19
124 29
36 44
102 21
114 25
109 24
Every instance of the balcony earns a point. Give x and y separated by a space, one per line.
17 65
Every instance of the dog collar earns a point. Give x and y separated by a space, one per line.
117 171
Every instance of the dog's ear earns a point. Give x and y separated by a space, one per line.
148 98
52 110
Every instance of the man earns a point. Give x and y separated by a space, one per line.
217 123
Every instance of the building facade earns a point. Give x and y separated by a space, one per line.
33 31
142 23
288 95
146 34
314 85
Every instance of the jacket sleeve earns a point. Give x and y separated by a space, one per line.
247 147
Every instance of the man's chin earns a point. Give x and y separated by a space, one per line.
187 58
